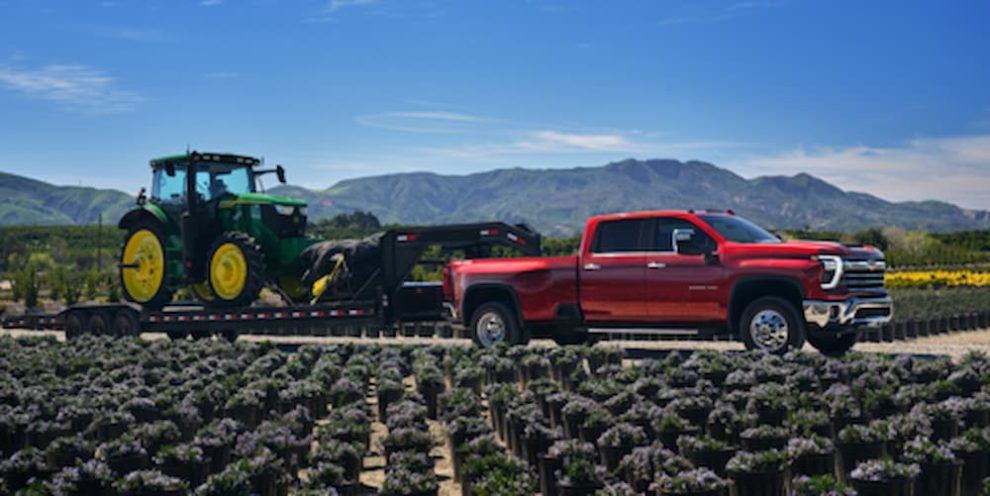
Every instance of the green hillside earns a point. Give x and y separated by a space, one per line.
26 201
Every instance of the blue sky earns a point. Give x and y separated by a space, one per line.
887 97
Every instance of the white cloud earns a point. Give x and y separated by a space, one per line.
952 169
76 87
597 142
336 5
421 121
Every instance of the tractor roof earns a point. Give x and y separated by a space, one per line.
223 158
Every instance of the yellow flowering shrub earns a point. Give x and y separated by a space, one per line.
937 278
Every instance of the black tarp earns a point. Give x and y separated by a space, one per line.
362 258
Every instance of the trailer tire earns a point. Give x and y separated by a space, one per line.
176 335
833 345
98 324
75 325
494 323
229 335
571 336
126 323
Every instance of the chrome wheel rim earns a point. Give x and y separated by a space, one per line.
490 329
769 330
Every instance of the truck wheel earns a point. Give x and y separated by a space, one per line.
143 266
237 270
573 336
833 345
494 323
771 324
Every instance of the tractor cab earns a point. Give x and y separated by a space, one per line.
206 227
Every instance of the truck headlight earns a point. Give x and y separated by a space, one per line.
831 270
285 209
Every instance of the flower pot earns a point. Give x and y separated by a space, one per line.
533 448
125 464
612 455
851 454
577 490
219 457
892 487
591 434
771 416
943 479
711 459
572 425
761 484
548 478
763 444
669 439
944 429
976 467
842 421
192 472
814 464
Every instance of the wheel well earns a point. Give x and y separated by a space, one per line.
475 297
135 216
747 291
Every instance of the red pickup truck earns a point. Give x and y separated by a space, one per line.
710 271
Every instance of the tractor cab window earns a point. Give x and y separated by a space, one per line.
219 181
169 189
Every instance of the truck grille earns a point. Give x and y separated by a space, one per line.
863 275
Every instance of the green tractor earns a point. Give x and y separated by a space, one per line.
206 228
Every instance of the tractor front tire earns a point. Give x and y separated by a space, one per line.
143 265
236 270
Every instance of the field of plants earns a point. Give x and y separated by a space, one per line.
132 417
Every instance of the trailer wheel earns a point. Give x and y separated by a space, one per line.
98 324
833 345
494 323
126 323
75 326
229 335
176 335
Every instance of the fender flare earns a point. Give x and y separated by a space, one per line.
146 211
787 280
500 286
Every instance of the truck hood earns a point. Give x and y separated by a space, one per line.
802 248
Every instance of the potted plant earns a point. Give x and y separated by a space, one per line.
154 435
884 478
972 447
807 422
768 402
812 456
820 485
597 421
575 412
694 409
429 383
325 477
724 423
406 438
184 461
537 439
508 478
764 437
23 466
151 483
217 440
618 441
858 443
669 426
343 454
696 482
580 476
91 478
69 450
553 461
764 473
945 418
941 470
124 455
708 452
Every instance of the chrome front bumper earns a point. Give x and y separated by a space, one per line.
854 312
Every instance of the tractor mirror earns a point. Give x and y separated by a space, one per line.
280 172
170 169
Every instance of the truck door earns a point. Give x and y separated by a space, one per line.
612 270
680 288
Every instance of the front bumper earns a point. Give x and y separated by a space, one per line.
853 312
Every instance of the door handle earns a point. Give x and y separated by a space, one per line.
592 266
656 265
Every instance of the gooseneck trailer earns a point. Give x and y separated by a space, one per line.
384 300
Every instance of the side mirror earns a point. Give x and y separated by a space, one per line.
685 243
280 172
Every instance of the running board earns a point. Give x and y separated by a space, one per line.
657 334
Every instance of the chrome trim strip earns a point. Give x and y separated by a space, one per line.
823 312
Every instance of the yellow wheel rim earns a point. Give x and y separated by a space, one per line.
202 291
228 271
146 260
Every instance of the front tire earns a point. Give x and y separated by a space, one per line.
773 325
833 345
494 323
236 271
143 266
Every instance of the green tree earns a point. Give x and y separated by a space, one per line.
26 285
93 285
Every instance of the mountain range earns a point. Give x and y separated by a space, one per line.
555 201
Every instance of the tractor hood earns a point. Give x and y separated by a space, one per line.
261 199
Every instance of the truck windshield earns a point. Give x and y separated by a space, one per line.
738 229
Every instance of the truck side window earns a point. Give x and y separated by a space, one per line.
663 241
617 236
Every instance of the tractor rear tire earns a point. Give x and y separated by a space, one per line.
236 270
146 284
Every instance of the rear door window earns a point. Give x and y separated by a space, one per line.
619 236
